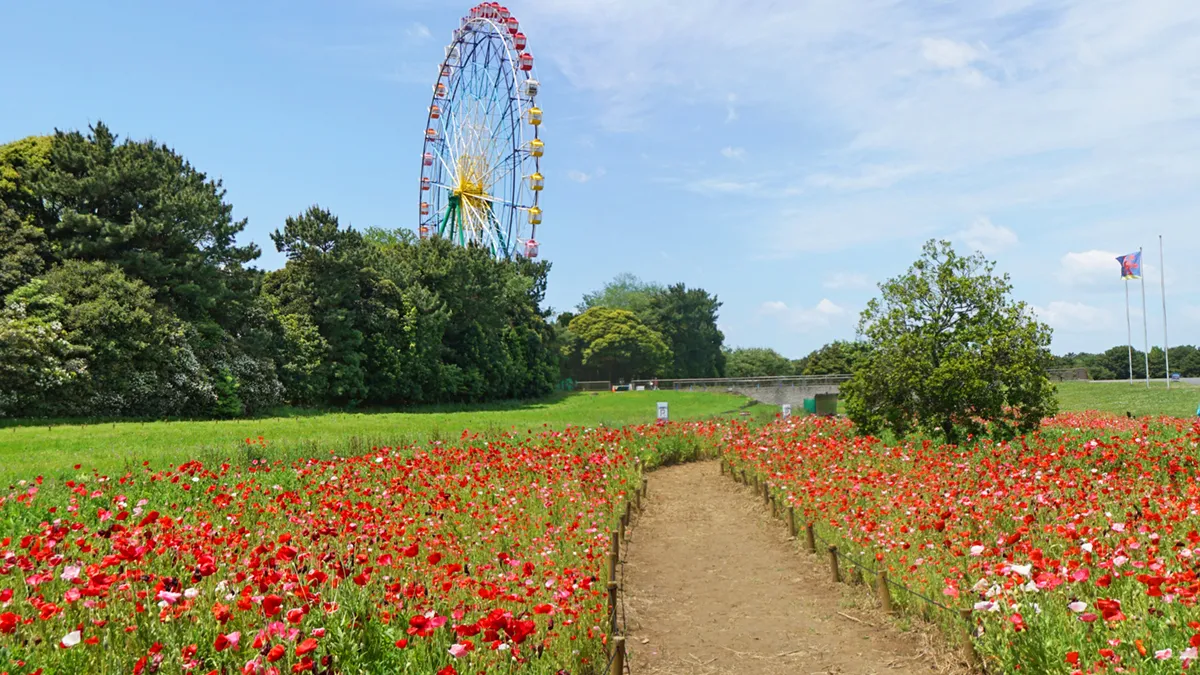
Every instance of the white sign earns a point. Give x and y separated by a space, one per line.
662 411
787 410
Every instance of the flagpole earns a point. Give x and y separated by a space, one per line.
1145 325
1129 328
1162 279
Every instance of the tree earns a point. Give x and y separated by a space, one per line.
757 362
128 355
317 298
950 352
23 247
687 320
618 345
144 208
836 358
625 291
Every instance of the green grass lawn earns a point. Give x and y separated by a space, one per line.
51 451
1122 397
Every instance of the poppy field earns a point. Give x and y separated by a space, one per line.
1077 548
482 555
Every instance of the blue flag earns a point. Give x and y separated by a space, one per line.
1131 265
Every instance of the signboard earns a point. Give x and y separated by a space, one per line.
662 411
787 410
1174 377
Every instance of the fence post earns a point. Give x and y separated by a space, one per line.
618 662
766 492
616 546
612 566
969 639
792 521
811 537
722 464
833 565
885 593
645 485
612 607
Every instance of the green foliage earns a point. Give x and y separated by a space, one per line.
1113 364
21 251
687 320
142 207
836 358
615 344
756 362
229 403
128 294
626 291
133 356
950 352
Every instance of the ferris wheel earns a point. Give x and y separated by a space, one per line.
480 169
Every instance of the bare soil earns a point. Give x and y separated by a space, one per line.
714 585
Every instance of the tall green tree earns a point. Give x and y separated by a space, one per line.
687 320
126 355
24 250
617 345
951 353
141 206
317 298
626 291
757 362
836 358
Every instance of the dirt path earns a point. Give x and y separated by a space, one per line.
713 585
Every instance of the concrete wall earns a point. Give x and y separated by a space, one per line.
779 395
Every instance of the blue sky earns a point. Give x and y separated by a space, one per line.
786 156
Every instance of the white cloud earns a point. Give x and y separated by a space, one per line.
986 237
1088 268
710 186
869 177
731 113
948 54
581 177
1074 317
738 154
847 281
419 31
804 319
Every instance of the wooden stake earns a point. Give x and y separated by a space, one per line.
969 639
792 521
811 537
622 528
612 607
722 467
618 662
645 485
616 546
885 593
612 566
833 565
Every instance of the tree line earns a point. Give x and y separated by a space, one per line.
631 329
126 294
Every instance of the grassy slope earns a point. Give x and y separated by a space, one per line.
27 451
1121 397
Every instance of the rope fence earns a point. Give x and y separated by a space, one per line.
882 584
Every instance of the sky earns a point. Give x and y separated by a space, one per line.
785 156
